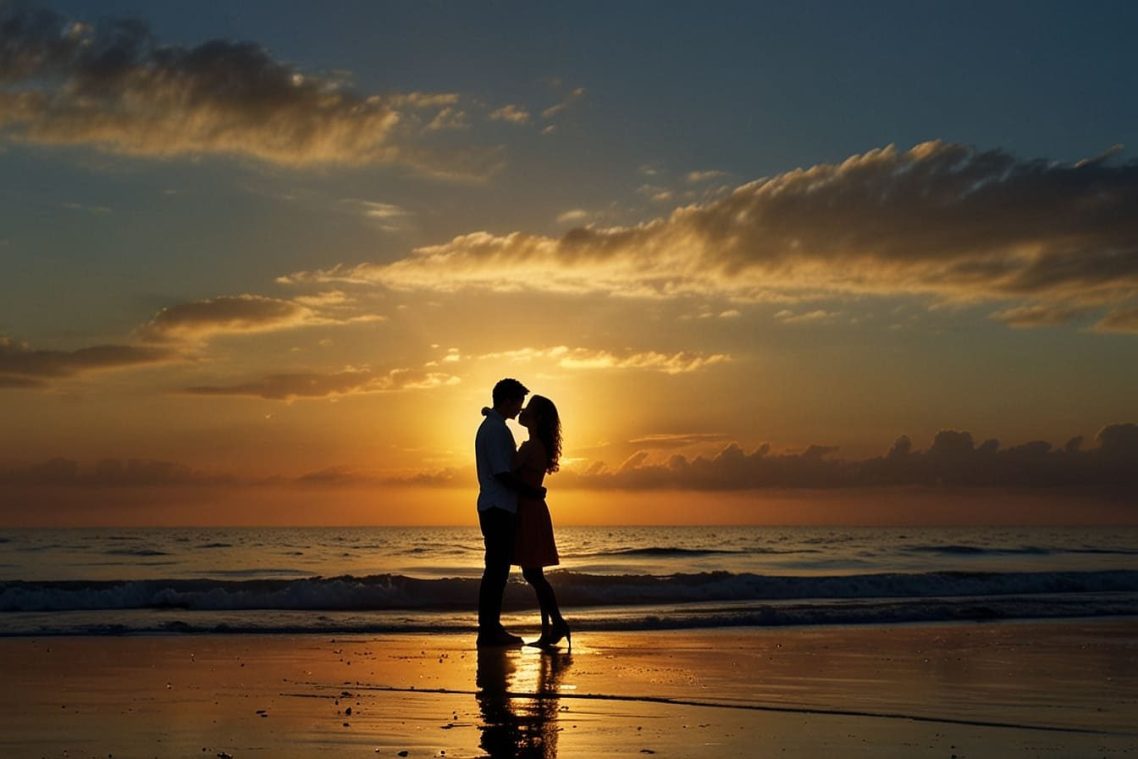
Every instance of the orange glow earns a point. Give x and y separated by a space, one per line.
438 506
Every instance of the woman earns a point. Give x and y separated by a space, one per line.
534 547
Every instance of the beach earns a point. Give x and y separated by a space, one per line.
1037 688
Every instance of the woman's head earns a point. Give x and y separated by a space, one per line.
541 419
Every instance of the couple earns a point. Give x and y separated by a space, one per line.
512 512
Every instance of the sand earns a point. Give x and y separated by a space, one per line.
1062 689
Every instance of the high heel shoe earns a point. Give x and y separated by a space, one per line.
559 630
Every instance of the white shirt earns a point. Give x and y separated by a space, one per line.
494 449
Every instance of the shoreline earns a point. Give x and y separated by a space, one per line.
1067 686
590 620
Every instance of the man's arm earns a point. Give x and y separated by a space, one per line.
515 483
501 453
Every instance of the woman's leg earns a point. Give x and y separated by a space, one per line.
546 598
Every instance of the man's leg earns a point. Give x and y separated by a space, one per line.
498 535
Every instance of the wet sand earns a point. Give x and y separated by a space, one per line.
1065 689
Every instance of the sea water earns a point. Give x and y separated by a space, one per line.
376 579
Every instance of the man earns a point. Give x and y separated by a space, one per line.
498 489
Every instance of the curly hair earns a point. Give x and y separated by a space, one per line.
548 430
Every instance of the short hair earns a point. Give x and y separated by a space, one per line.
509 389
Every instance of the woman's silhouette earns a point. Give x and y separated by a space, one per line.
534 547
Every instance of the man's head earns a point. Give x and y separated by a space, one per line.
509 395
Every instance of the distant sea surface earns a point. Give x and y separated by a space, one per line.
101 581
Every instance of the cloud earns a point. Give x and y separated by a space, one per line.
376 210
325 299
676 440
448 118
817 316
289 386
1124 319
514 114
391 217
110 473
146 473
656 193
951 460
244 314
944 220
21 366
682 362
343 476
1039 315
573 216
115 87
565 103
696 177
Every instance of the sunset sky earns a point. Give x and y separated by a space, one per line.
775 262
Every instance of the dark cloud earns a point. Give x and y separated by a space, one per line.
241 314
113 85
340 476
945 220
137 473
23 366
953 459
109 473
294 385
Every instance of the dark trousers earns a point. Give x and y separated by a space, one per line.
498 535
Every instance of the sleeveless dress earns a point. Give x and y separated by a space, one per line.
533 545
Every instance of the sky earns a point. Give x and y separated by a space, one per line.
819 262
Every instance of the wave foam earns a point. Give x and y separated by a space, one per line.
574 589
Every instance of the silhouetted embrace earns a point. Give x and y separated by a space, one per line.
512 512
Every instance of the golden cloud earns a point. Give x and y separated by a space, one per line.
1039 315
944 220
1119 320
565 357
513 114
290 386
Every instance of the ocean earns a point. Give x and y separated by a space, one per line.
113 581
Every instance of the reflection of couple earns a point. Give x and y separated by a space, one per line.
519 725
512 512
